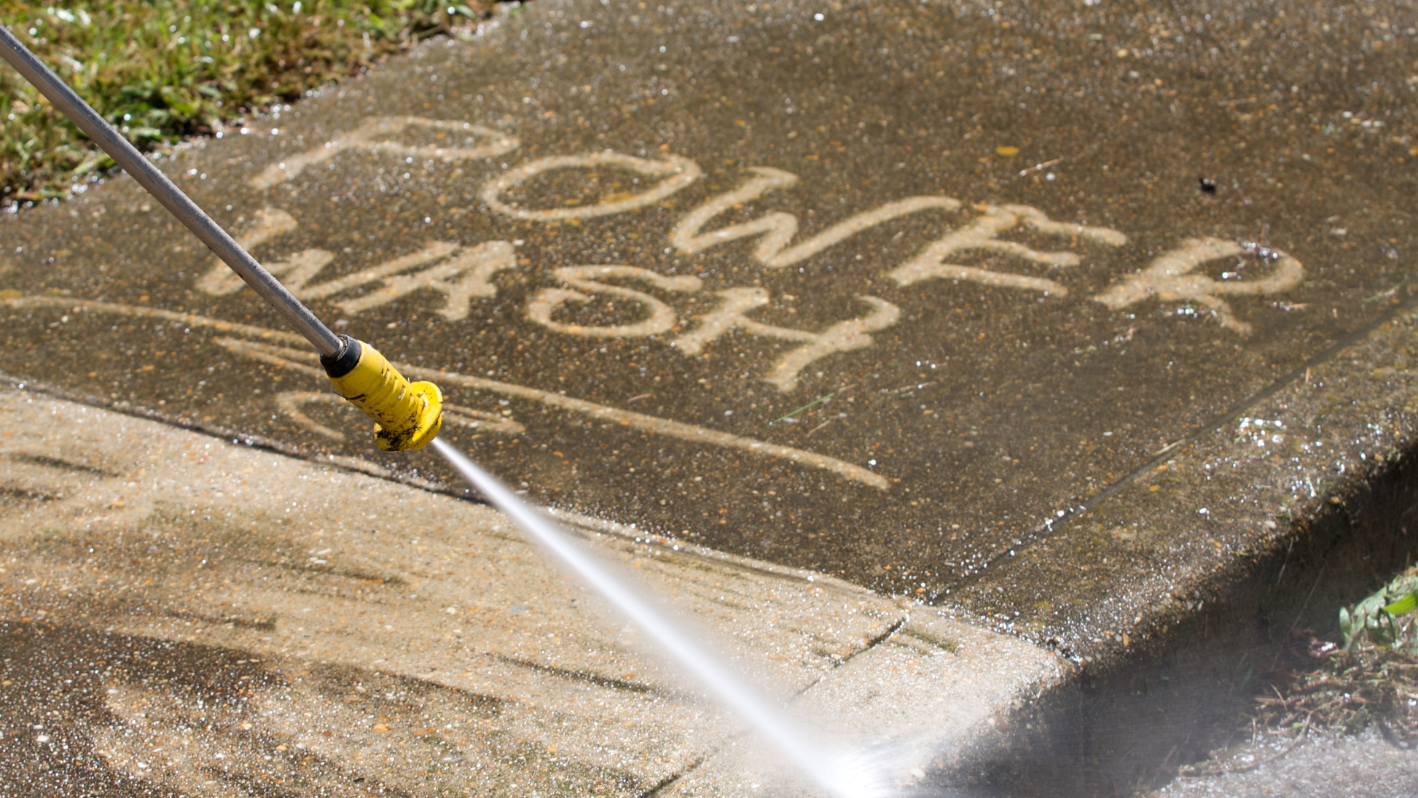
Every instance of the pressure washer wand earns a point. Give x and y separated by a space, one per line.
407 415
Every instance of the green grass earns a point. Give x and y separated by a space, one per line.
162 70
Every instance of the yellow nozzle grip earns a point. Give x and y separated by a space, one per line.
407 415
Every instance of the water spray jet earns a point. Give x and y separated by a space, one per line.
408 416
810 759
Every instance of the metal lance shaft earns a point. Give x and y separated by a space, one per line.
171 197
407 416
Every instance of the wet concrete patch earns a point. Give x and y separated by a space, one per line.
1163 690
877 293
1199 519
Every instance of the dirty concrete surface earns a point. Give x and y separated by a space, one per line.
738 390
1051 315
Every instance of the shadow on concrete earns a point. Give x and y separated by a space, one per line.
1128 726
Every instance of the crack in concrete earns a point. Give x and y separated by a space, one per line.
585 677
871 644
62 465
670 780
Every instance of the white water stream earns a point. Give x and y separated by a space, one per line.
833 772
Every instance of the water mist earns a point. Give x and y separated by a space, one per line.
828 769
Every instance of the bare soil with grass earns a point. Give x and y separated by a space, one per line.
1368 680
163 70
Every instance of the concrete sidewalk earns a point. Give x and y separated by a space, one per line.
1067 349
200 616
